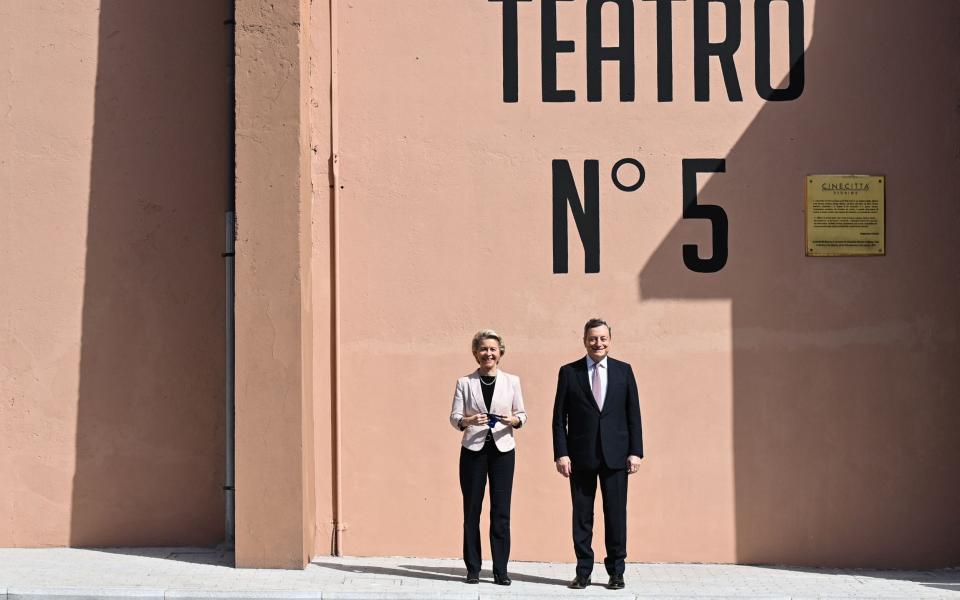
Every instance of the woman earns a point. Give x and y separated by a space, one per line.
487 407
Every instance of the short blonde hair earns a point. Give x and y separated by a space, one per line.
486 334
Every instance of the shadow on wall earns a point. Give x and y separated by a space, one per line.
845 381
149 465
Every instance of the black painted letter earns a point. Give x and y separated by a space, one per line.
511 59
550 46
586 216
622 52
761 13
703 50
665 49
715 214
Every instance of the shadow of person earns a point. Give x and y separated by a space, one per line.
404 571
844 369
431 572
514 575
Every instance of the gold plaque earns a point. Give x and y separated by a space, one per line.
845 215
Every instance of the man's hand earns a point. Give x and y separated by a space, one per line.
563 466
633 464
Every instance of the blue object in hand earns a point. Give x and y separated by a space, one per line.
492 420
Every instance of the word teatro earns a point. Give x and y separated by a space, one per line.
623 52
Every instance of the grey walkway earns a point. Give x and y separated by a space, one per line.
182 574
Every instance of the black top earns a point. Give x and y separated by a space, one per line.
487 383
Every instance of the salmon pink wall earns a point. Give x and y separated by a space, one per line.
115 177
795 409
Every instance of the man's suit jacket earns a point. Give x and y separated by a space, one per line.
592 438
468 401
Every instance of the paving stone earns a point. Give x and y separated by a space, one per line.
224 595
187 574
26 593
396 595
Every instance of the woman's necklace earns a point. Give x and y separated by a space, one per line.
493 379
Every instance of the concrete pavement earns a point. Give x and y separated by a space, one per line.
189 573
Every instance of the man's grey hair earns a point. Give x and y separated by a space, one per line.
487 334
596 322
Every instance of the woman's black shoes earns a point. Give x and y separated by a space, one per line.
497 579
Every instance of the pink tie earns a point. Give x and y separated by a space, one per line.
595 384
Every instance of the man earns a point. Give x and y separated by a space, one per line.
597 436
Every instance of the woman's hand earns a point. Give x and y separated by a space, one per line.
473 420
512 421
481 419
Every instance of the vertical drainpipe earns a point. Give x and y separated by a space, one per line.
338 525
230 237
228 484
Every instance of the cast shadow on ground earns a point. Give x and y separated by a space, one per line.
486 574
215 557
453 574
945 579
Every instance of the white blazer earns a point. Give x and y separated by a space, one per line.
468 401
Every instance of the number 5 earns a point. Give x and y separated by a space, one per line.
715 214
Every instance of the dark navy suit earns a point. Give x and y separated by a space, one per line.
598 444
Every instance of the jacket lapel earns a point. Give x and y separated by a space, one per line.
497 403
476 394
616 381
613 378
583 377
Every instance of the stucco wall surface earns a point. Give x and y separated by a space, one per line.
275 423
321 259
115 172
796 410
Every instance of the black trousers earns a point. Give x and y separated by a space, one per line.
475 468
583 490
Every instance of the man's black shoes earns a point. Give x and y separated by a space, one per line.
615 583
579 584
